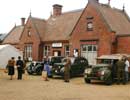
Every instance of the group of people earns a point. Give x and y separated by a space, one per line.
11 67
123 70
46 68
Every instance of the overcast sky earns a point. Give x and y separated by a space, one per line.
12 10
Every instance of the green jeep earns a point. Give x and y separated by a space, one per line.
105 70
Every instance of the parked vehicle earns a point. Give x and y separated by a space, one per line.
105 70
55 59
36 67
77 67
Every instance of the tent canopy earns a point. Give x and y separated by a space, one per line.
6 52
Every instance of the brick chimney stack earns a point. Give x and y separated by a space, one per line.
57 9
97 1
22 21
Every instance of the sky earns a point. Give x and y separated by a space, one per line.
13 10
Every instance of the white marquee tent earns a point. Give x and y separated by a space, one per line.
6 52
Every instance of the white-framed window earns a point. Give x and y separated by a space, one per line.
67 50
28 51
89 51
46 50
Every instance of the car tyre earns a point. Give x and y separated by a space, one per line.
39 71
50 76
87 80
109 81
30 73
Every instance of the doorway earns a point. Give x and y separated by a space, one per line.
57 53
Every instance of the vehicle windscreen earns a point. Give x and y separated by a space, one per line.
106 61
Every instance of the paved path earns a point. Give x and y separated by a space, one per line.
34 88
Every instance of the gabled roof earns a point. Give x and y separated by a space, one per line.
56 27
14 35
40 26
116 19
60 27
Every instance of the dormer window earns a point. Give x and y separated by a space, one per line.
89 26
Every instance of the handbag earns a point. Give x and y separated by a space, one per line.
44 74
6 70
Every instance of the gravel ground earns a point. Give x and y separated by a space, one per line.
34 88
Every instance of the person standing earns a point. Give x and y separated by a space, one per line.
67 70
46 69
20 66
11 64
127 65
120 71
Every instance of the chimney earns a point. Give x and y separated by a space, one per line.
123 8
57 9
97 1
22 21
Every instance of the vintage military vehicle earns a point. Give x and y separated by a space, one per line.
78 65
105 69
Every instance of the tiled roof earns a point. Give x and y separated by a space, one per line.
56 27
40 26
60 27
117 20
14 35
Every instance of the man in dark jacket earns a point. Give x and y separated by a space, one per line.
20 66
120 71
67 70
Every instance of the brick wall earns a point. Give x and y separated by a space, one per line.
123 44
32 39
100 32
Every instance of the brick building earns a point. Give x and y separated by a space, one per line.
95 30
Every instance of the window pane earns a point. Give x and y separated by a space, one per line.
94 48
45 47
67 50
89 48
84 48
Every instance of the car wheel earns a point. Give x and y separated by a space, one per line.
109 81
39 71
87 80
50 76
30 73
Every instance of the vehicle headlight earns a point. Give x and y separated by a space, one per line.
88 71
59 67
62 69
102 72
